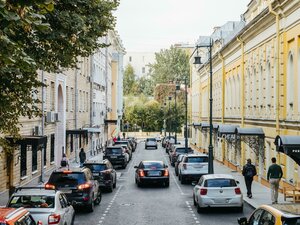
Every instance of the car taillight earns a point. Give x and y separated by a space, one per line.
141 173
84 186
49 186
237 191
184 166
53 219
203 191
166 173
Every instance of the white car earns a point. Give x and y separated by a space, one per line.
47 206
217 190
151 142
192 167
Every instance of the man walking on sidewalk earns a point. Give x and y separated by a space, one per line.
82 157
274 175
249 171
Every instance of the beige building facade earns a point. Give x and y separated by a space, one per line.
256 74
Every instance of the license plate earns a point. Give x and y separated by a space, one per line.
197 166
66 191
113 156
153 173
219 201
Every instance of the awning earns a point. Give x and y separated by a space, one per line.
111 122
28 140
204 125
250 131
196 125
92 129
225 129
215 126
289 145
77 131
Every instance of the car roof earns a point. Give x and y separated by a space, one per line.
196 155
95 162
72 169
114 147
153 161
35 191
217 176
288 210
11 214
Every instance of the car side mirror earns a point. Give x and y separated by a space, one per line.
135 167
237 182
242 221
194 183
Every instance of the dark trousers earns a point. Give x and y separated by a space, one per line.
248 181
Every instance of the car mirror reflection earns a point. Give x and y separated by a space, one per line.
242 221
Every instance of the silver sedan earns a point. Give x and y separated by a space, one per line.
217 190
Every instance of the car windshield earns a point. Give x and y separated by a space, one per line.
96 167
182 150
220 182
151 139
67 179
121 143
32 201
152 165
291 221
114 151
196 159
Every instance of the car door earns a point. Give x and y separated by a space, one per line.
197 188
255 217
69 210
113 172
63 209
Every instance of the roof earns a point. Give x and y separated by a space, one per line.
250 131
34 191
217 176
226 129
287 210
289 145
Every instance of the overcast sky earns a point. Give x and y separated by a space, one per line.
150 25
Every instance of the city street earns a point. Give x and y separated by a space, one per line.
128 204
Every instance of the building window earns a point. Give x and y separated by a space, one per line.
87 101
130 58
143 70
67 100
80 100
45 155
23 164
52 146
52 96
34 158
71 99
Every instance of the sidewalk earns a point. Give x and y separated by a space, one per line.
4 197
261 194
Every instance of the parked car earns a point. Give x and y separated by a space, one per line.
178 150
177 162
47 206
123 142
127 150
169 144
132 142
166 139
104 172
150 143
152 172
116 155
79 186
12 216
276 214
192 167
217 190
158 138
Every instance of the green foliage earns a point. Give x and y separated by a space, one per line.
128 80
43 35
171 64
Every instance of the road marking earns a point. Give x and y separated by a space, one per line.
192 212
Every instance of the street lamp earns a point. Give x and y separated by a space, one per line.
177 88
198 61
170 125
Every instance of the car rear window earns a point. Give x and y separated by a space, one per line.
151 139
153 165
96 167
182 150
291 221
121 143
67 179
32 201
222 182
196 159
114 151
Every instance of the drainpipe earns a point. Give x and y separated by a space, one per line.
277 67
43 127
76 112
242 95
91 101
223 102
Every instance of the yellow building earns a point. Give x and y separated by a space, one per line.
256 72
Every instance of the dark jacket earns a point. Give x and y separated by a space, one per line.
249 171
82 156
274 171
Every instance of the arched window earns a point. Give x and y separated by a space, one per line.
290 80
268 84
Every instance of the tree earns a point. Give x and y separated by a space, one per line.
129 80
43 35
171 64
145 86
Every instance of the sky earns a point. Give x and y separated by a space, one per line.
151 25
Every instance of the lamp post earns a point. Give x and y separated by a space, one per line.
176 89
170 125
198 61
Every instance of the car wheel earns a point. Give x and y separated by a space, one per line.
99 197
111 188
91 206
124 165
139 184
179 177
176 172
240 209
199 209
182 180
167 184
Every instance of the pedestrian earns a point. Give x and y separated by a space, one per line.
114 139
82 157
249 171
64 161
274 175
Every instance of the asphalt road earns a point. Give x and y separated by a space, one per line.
153 205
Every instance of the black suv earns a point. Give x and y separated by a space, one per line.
104 172
79 186
116 155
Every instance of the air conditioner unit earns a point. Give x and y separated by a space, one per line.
50 117
56 117
37 131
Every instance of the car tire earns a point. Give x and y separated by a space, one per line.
176 172
240 209
167 184
199 209
99 197
179 177
115 183
73 219
111 188
194 200
124 165
139 184
182 180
